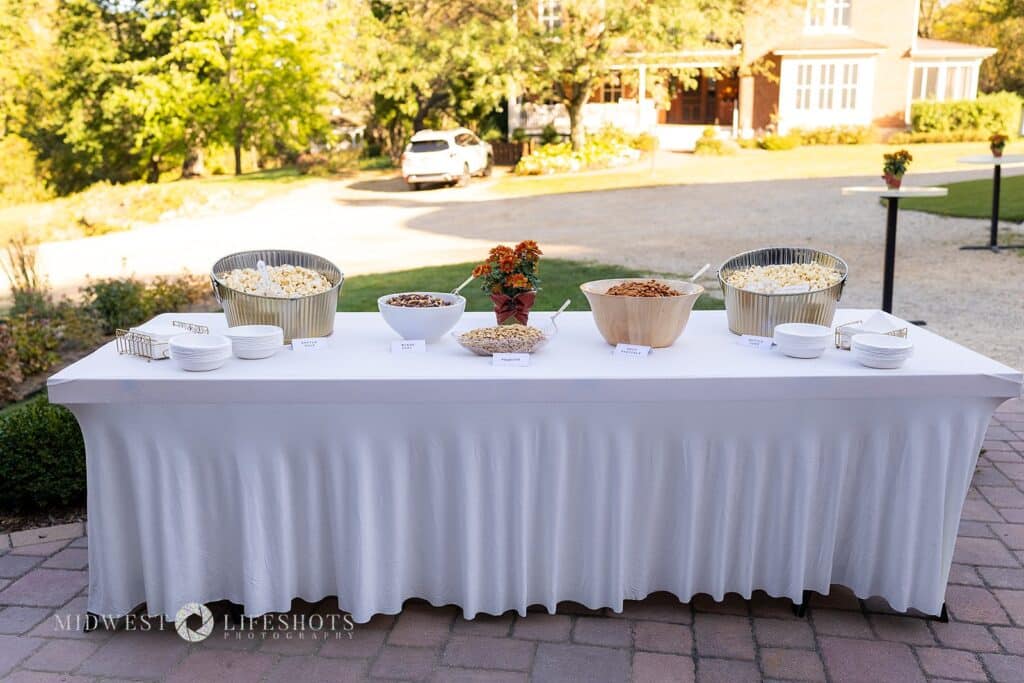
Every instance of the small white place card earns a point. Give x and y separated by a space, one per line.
510 360
752 341
631 351
310 344
409 346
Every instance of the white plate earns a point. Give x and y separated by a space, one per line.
882 343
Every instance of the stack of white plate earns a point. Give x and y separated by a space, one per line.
881 351
802 340
200 352
255 341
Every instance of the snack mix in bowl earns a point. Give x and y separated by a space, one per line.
286 281
417 301
485 341
648 288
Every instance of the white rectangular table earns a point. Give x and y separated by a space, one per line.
704 468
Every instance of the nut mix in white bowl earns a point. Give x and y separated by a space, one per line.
807 277
286 281
502 339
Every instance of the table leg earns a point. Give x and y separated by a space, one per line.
890 252
993 234
997 181
800 609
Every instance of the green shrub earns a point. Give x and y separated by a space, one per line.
605 148
519 135
117 301
645 142
777 143
36 341
10 366
378 163
991 113
747 143
835 135
120 303
934 136
709 144
42 456
549 135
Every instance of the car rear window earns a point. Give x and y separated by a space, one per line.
429 146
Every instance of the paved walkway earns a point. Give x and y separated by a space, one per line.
842 639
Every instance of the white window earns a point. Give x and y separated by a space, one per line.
549 14
943 82
826 86
611 90
803 86
828 14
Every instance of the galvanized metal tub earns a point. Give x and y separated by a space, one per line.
302 317
758 314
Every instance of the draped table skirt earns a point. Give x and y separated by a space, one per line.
498 507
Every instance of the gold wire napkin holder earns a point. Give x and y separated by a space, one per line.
844 337
131 343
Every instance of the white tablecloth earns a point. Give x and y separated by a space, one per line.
705 468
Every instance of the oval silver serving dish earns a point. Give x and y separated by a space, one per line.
300 317
758 314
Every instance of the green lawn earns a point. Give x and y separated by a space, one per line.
561 280
973 199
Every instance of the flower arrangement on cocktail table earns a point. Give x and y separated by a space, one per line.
996 143
510 278
895 167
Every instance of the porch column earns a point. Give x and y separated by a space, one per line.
641 95
746 105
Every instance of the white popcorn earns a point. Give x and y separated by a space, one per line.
772 279
285 281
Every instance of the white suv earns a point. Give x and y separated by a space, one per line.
445 156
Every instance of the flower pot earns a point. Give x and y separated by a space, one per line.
893 182
997 151
513 310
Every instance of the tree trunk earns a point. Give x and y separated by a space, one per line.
193 166
576 133
153 174
238 154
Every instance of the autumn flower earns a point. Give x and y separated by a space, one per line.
517 281
510 271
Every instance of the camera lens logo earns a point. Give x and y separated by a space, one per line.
194 609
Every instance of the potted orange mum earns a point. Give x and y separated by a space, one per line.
996 143
510 278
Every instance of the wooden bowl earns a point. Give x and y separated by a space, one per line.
655 321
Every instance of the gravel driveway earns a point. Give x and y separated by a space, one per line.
975 297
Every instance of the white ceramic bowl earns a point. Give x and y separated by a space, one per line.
429 324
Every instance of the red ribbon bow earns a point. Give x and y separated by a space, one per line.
517 306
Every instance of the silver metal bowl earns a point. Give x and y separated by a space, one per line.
301 317
758 314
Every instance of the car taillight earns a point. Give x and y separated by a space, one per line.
405 155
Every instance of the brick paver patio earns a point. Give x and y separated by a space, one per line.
841 639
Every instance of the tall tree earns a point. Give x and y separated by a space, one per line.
434 62
570 48
996 23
